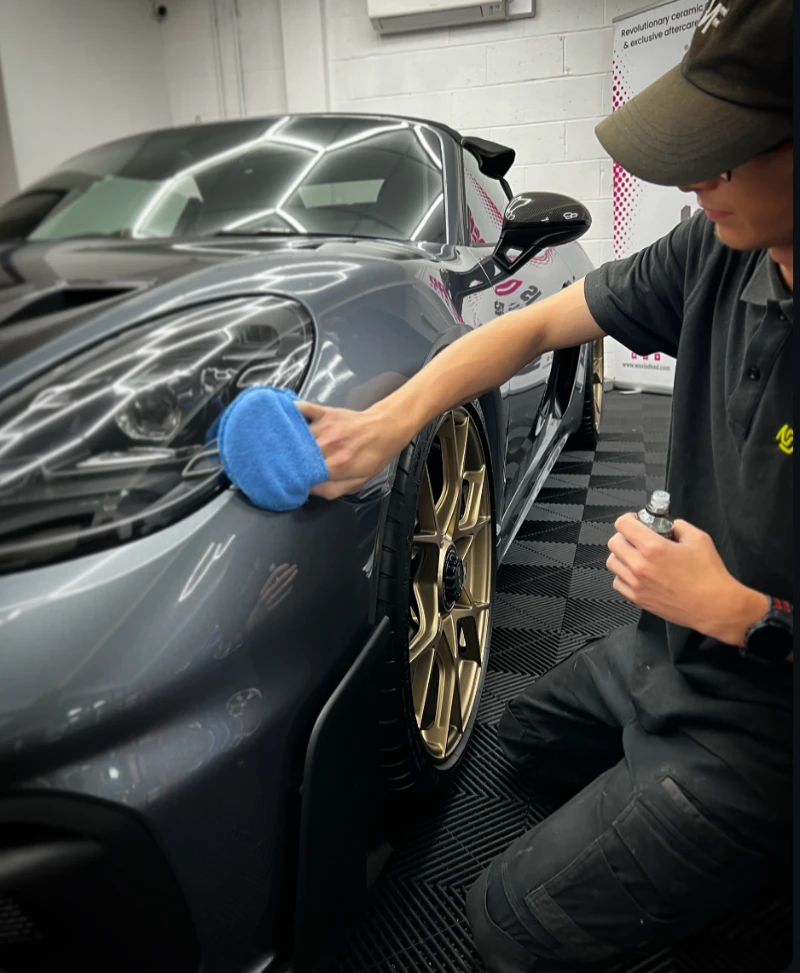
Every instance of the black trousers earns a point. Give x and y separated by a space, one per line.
662 837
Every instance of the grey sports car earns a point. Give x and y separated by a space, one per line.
196 695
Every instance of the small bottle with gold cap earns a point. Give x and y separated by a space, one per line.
656 515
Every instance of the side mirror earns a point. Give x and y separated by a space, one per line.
535 221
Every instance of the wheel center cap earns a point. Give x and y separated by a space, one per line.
453 576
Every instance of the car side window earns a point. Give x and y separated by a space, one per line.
486 204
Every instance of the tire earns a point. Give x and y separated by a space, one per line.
416 762
588 433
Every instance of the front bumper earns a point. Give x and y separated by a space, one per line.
84 880
173 684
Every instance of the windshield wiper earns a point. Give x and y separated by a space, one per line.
267 232
261 231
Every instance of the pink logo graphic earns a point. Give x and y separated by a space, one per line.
474 233
626 188
508 287
492 211
657 356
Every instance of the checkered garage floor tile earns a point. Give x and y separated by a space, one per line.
553 595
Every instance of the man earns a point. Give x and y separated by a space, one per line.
674 735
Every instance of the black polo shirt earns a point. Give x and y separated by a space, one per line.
726 316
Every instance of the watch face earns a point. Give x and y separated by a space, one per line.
771 643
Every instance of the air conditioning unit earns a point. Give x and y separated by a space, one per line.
400 16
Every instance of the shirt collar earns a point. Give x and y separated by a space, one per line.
766 286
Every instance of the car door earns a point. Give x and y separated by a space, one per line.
539 277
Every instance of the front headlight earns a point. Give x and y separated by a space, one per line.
119 441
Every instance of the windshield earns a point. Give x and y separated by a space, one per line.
328 174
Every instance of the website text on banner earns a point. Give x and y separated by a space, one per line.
646 45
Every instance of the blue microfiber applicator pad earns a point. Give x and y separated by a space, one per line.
267 449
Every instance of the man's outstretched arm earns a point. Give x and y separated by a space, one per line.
358 445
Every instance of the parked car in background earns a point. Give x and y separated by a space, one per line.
173 659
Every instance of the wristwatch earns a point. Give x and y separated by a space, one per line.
770 639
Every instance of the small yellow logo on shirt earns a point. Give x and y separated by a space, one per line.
785 439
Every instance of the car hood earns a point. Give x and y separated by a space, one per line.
51 291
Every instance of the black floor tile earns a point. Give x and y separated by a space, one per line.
595 533
521 579
631 457
546 530
559 509
608 512
563 494
619 481
592 555
531 612
523 650
598 616
593 583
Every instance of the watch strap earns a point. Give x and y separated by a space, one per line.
779 615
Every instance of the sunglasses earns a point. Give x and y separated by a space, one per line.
785 144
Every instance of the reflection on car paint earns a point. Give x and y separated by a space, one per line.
277 588
441 290
330 374
324 274
214 553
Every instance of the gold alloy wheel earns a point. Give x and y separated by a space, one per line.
451 565
598 375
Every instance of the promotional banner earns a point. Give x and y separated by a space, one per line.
646 44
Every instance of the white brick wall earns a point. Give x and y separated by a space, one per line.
385 75
588 52
581 142
525 59
528 102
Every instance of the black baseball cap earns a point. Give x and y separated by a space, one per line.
728 100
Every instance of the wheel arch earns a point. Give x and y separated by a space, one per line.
491 404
